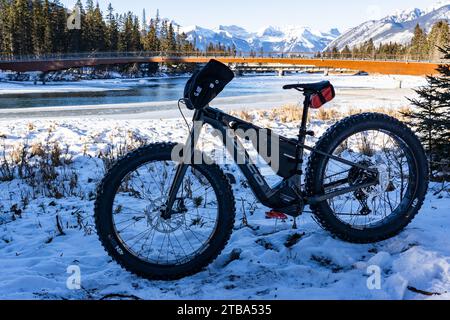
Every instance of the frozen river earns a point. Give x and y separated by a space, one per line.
159 95
98 92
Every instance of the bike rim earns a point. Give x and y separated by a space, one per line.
137 214
392 196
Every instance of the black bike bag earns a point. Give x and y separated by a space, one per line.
206 84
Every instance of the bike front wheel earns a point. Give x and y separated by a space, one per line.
128 215
398 165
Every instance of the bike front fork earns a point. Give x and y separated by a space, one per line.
187 159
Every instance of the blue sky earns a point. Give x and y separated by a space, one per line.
255 14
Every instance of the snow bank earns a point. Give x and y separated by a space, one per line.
34 255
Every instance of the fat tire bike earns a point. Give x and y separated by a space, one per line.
365 181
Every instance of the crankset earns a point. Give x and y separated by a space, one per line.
291 201
295 210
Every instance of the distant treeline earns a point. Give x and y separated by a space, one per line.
40 26
423 46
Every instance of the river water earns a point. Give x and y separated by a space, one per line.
105 92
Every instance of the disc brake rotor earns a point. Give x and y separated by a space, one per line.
155 220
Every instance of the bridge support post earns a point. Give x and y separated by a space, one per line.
281 73
41 77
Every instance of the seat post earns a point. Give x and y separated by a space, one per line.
302 136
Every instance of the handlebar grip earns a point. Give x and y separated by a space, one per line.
290 86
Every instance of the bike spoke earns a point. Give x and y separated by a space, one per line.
138 214
371 205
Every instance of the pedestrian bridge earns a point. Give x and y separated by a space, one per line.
381 65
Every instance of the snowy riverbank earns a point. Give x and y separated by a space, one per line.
36 249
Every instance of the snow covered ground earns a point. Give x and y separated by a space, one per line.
42 233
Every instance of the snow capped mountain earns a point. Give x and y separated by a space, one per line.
270 39
437 5
398 27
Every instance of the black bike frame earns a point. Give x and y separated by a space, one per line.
281 195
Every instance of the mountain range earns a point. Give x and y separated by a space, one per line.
270 39
397 27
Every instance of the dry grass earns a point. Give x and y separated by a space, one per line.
293 113
31 126
44 166
288 113
327 114
395 113
242 114
118 149
6 167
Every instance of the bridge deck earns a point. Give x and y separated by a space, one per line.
370 66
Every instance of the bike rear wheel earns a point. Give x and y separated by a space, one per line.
128 215
378 212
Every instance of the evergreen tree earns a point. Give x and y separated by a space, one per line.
171 39
419 44
21 28
431 115
90 6
163 35
136 43
233 50
151 40
158 24
2 25
99 30
210 48
89 27
438 37
48 35
94 30
346 52
144 23
38 32
356 52
370 48
334 52
5 26
58 18
112 30
130 37
187 48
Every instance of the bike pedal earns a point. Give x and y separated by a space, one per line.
276 215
